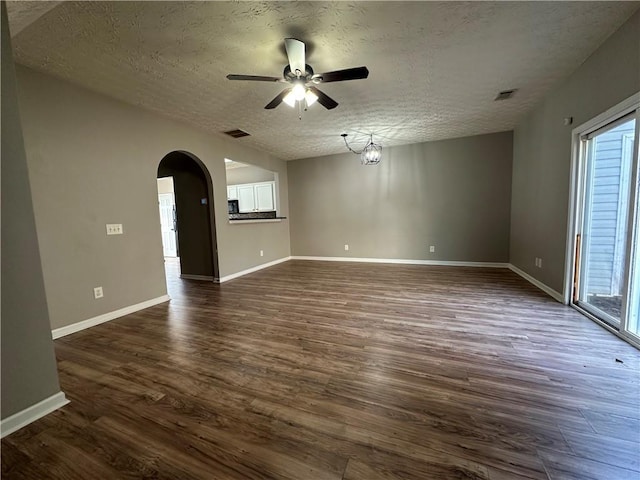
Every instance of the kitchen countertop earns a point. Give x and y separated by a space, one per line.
256 220
254 217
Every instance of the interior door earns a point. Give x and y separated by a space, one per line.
606 253
167 204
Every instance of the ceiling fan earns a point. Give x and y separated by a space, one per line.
303 80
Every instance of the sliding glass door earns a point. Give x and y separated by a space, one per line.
632 324
607 263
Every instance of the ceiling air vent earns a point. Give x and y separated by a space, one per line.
237 133
506 94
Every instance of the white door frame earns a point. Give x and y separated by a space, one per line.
575 191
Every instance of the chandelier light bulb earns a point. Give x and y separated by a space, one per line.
371 154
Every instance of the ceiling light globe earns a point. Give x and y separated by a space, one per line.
290 99
298 91
310 98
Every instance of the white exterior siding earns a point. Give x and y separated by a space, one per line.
607 222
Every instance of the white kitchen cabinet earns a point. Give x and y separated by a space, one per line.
253 197
246 198
264 197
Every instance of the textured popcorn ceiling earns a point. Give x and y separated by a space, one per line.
435 68
23 14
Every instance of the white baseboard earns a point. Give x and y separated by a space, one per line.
204 278
106 317
226 278
548 290
445 263
31 414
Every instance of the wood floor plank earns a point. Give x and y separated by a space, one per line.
314 370
605 422
569 467
604 449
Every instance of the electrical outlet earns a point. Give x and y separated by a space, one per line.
114 229
432 249
346 247
97 292
539 263
262 253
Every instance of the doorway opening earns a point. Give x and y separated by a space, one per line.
187 217
606 229
168 218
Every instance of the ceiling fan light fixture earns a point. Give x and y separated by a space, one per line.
301 78
290 99
298 91
310 97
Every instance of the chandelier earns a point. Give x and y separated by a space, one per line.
371 154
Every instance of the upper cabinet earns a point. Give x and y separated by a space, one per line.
253 197
264 193
246 198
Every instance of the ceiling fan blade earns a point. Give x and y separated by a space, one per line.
323 99
278 100
296 54
256 78
356 73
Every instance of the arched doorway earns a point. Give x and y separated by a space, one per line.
194 215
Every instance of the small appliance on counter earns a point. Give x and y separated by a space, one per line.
234 207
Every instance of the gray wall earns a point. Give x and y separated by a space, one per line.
453 194
29 372
93 161
250 174
542 151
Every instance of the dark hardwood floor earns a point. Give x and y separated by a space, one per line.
318 370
